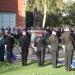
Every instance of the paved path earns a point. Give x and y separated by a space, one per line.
47 56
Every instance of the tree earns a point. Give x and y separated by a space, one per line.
44 8
69 8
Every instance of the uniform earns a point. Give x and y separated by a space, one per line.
40 45
54 48
67 40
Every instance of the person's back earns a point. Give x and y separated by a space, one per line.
9 41
40 43
67 40
24 47
53 41
67 44
24 42
54 48
66 37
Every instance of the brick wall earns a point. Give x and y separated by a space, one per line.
8 5
21 13
17 6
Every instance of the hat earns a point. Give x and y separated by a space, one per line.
53 32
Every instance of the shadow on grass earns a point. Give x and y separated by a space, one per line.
73 69
32 62
60 66
47 64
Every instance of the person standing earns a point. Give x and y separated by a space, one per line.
9 42
2 51
24 43
40 46
54 48
67 40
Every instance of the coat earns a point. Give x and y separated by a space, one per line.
53 42
9 41
67 40
24 42
40 43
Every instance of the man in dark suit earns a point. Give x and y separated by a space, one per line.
9 41
24 46
67 40
54 48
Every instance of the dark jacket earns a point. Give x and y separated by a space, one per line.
9 41
24 42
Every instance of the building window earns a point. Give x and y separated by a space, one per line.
7 19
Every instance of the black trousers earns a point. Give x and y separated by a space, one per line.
68 59
24 55
40 57
54 57
2 52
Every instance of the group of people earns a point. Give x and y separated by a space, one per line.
39 39
64 37
7 42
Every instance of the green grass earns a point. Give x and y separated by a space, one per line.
32 69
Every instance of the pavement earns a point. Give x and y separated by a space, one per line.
47 55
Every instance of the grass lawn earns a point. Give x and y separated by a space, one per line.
32 69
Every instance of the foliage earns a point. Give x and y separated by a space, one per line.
39 6
70 9
54 16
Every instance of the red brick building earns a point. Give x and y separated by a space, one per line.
12 13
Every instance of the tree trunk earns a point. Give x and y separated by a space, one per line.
44 18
